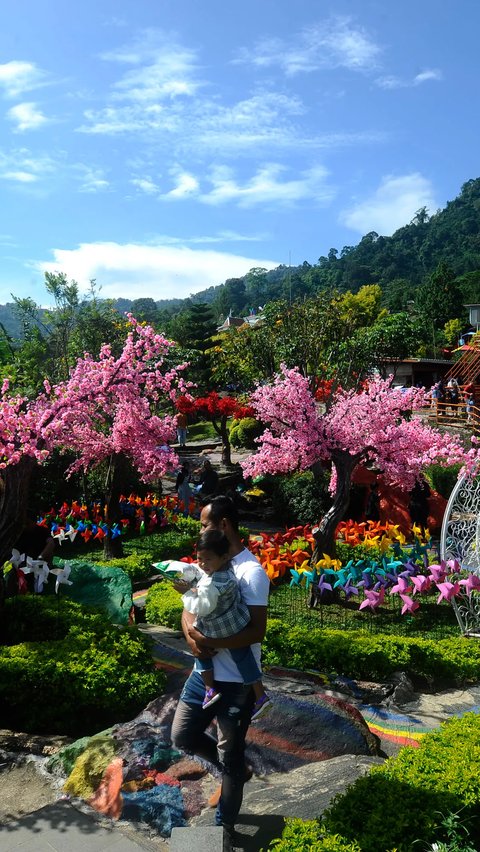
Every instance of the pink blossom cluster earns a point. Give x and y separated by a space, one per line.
375 425
108 406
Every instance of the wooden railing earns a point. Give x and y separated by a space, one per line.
454 414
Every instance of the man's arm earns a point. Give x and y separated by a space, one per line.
252 633
197 650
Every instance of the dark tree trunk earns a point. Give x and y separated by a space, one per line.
222 430
226 449
14 493
325 534
115 483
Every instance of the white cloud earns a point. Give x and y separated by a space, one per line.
159 271
91 179
393 82
187 185
21 166
26 116
394 203
335 43
269 185
428 74
146 185
266 187
163 69
17 77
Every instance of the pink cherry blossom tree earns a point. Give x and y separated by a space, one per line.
375 426
109 409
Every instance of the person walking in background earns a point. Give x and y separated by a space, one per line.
181 423
183 489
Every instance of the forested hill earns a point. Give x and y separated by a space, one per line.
399 263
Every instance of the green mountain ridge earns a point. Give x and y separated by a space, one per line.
399 264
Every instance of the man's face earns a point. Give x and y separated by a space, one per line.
206 522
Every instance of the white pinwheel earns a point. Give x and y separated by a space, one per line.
40 571
62 575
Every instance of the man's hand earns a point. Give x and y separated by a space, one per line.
181 586
197 637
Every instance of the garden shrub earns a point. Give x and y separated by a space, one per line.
345 552
164 605
173 545
243 432
297 498
300 836
363 655
34 618
442 479
94 677
138 566
188 526
408 794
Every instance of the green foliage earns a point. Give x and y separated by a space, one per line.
136 565
93 677
442 479
34 618
164 605
408 793
172 545
188 526
362 655
346 551
243 432
298 498
303 836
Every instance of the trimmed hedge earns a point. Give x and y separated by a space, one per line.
408 794
300 836
404 803
164 605
95 676
361 655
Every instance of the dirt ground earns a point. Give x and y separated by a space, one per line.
23 790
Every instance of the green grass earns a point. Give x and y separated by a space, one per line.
430 621
203 431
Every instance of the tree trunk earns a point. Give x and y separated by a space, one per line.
226 449
115 483
325 534
14 492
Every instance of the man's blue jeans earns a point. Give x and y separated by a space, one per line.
232 712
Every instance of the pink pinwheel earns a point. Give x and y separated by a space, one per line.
422 584
472 584
409 605
402 586
447 591
438 572
373 599
454 566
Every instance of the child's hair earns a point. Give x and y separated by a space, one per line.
214 540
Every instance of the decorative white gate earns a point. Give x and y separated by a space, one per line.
460 539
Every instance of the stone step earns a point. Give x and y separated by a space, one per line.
201 838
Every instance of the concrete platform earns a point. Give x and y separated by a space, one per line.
62 828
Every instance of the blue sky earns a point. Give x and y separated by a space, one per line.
162 146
